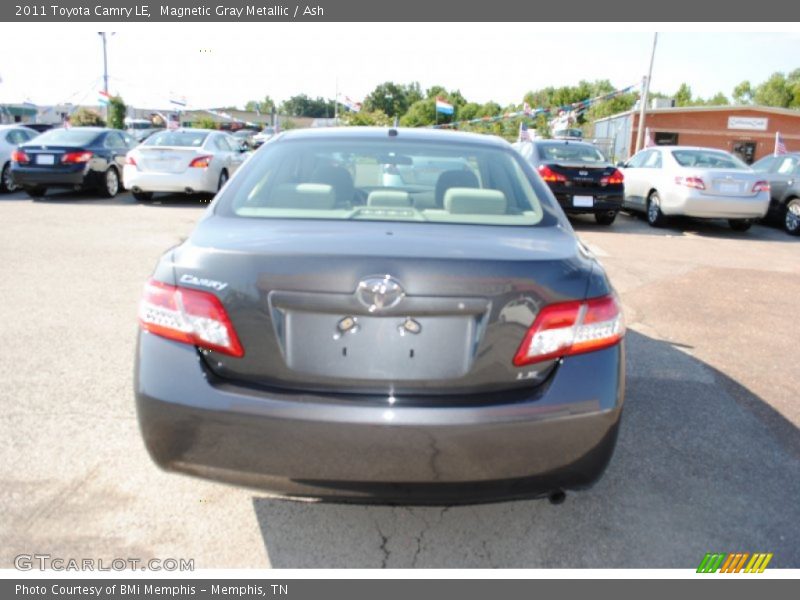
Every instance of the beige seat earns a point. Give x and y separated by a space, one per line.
470 201
389 199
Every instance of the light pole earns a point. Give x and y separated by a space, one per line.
102 34
643 102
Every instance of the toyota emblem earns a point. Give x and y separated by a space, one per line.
379 293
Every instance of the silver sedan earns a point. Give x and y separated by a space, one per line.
695 182
194 161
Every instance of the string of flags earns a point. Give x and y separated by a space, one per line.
528 112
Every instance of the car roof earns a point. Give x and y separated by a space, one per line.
406 133
685 148
16 126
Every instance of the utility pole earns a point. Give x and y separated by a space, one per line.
102 34
643 100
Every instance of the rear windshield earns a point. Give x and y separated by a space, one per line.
177 138
68 137
579 153
708 158
385 180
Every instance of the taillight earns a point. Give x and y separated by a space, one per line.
188 316
761 186
201 162
692 182
549 175
615 178
129 160
76 157
570 328
18 156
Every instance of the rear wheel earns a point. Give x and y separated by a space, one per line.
740 224
606 218
223 179
7 179
110 185
655 217
791 219
142 196
35 191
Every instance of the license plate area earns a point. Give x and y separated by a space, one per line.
45 159
379 348
729 188
583 201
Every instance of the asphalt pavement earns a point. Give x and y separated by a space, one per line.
708 456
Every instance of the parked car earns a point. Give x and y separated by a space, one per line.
245 136
579 175
78 157
194 161
783 174
11 136
704 183
264 135
319 334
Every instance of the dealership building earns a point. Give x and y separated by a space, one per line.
748 131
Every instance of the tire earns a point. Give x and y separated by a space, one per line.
223 179
655 218
791 217
740 224
111 185
142 196
6 180
35 191
606 218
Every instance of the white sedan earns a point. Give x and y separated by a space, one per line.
695 182
193 161
11 136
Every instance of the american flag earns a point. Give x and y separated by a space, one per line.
524 134
780 146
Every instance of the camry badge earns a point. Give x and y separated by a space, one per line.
379 293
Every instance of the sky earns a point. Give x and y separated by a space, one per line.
227 64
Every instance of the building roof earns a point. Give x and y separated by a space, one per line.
792 112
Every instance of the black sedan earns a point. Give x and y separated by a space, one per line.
581 178
782 171
78 157
326 333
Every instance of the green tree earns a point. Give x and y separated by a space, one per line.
743 93
391 98
367 118
775 91
304 106
116 113
683 97
86 117
719 99
264 106
204 123
419 114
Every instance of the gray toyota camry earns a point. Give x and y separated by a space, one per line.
383 315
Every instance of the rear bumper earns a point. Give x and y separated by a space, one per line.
77 176
603 202
706 206
356 449
197 180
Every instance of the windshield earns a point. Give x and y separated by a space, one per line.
708 158
68 137
177 138
385 180
579 153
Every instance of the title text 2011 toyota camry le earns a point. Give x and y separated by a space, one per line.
331 332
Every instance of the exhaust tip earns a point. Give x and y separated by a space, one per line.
136 189
557 497
189 190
